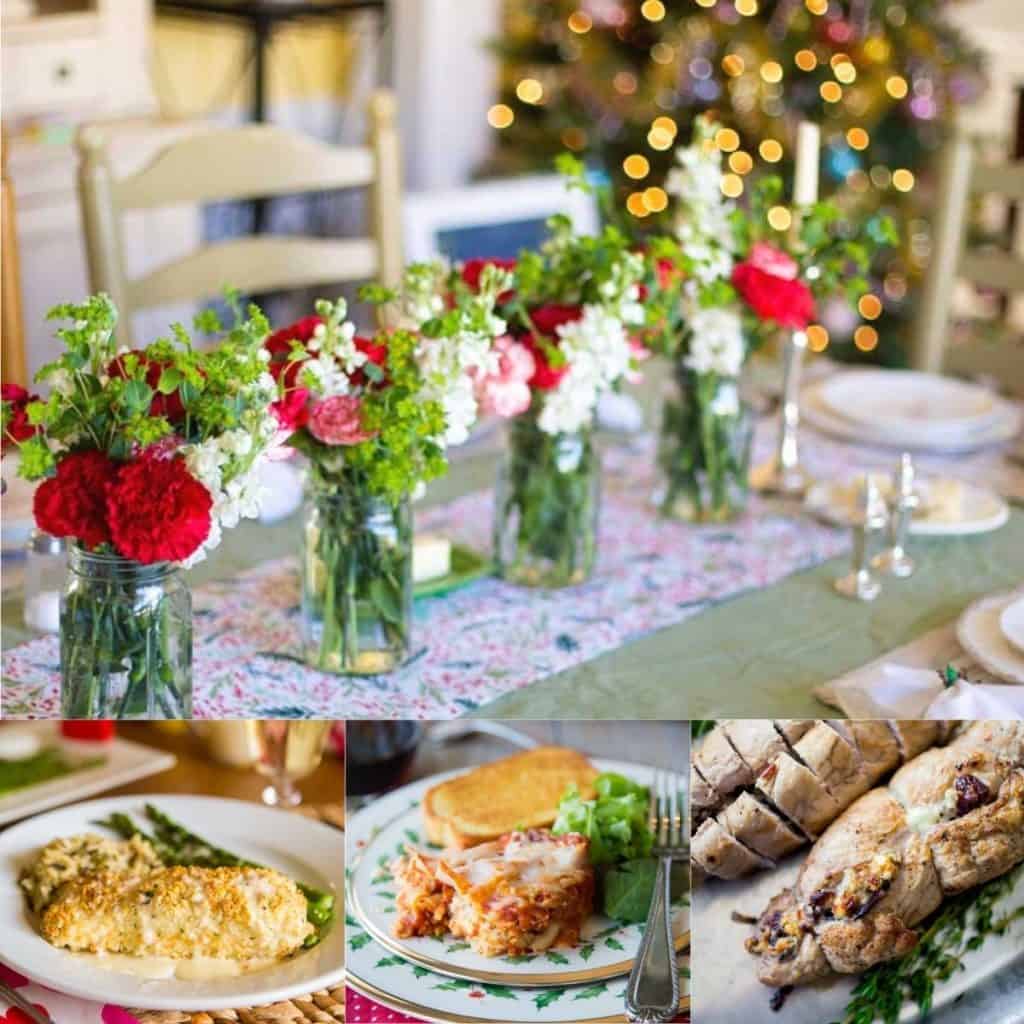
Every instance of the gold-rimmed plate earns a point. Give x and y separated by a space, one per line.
381 832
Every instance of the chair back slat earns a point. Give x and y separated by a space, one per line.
999 271
1006 180
963 175
256 264
252 161
243 163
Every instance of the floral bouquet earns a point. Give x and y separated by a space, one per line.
145 456
734 281
575 320
374 416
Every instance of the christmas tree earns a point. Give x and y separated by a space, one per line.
619 82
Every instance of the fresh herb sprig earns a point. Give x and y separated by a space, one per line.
176 846
960 927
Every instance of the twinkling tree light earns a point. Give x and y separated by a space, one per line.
619 82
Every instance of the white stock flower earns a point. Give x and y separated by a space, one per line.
324 376
716 342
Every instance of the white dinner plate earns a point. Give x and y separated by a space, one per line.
1011 622
303 849
16 519
979 632
123 762
728 991
817 414
910 404
981 510
382 830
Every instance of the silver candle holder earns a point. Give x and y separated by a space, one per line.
783 474
895 560
871 516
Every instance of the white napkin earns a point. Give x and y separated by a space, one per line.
898 691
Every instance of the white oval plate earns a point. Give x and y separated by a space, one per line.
729 992
983 511
379 833
909 403
1011 622
1004 428
981 636
304 850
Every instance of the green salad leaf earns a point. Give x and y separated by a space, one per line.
615 821
629 888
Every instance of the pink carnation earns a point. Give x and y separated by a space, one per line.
336 420
507 392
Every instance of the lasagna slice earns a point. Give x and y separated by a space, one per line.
522 893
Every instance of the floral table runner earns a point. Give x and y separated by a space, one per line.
491 638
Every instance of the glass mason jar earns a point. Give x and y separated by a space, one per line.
125 639
547 506
704 449
356 582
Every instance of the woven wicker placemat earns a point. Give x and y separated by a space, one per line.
324 1007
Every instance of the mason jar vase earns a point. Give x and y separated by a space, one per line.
704 449
356 582
125 639
547 507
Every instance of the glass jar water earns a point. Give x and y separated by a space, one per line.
547 507
125 639
356 582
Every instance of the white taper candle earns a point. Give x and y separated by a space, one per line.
805 179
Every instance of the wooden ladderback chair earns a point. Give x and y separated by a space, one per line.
963 177
248 162
14 367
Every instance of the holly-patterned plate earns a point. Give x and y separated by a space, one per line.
380 833
413 990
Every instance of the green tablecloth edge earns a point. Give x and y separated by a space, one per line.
796 634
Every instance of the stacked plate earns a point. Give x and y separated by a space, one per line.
991 631
443 979
910 410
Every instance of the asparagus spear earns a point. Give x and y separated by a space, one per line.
176 845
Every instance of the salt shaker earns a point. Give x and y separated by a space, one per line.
895 560
869 518
45 570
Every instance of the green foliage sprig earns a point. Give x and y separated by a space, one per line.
89 407
960 927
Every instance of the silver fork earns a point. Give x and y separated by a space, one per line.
652 994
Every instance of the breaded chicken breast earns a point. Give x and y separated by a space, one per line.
181 912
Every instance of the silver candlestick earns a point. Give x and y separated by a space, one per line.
783 474
869 518
895 560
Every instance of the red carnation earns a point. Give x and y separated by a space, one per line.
291 411
280 342
158 511
72 504
546 319
375 353
768 283
472 269
169 406
18 428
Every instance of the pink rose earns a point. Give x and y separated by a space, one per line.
506 393
337 420
772 261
